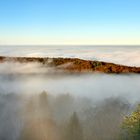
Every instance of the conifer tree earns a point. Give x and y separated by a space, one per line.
74 129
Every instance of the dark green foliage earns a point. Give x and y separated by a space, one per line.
131 125
77 62
96 64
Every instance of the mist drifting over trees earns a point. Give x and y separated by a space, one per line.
65 106
61 117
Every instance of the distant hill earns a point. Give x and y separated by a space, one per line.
74 64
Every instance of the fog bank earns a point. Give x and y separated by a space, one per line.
96 86
38 104
125 55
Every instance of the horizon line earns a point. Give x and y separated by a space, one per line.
69 44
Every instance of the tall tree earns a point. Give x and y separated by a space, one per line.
43 100
74 129
39 123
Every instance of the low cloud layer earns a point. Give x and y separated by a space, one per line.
24 68
36 104
126 55
33 78
97 86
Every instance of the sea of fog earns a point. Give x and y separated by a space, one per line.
126 55
37 103
33 78
96 87
51 106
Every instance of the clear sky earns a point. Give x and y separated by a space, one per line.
70 22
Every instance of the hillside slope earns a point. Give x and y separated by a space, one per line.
74 64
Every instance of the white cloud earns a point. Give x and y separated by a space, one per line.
126 55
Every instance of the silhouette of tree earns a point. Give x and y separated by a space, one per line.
63 106
39 123
104 121
43 99
74 129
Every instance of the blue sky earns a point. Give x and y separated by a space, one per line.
69 21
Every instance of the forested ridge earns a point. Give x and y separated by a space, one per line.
74 64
